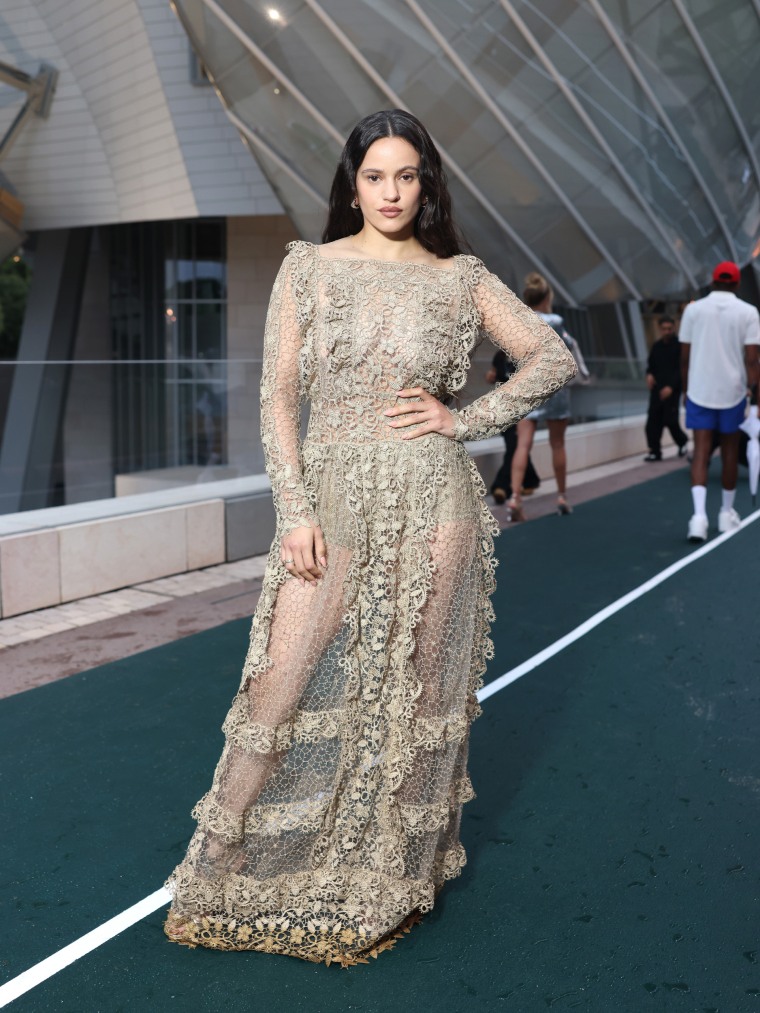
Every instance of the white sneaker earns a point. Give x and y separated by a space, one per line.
698 528
728 520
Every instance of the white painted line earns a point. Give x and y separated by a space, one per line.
607 611
80 947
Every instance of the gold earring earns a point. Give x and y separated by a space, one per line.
355 203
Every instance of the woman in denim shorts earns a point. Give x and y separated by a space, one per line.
555 412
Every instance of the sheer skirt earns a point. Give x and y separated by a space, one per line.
335 807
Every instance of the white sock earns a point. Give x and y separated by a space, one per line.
729 495
699 495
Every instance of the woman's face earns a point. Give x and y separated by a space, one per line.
388 186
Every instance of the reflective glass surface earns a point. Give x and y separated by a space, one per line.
142 425
618 177
169 389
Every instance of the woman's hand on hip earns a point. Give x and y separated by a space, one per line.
428 414
304 554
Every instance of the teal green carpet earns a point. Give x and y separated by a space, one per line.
613 847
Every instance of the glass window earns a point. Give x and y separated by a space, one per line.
577 160
168 311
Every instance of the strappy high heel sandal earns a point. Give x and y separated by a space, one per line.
515 511
563 507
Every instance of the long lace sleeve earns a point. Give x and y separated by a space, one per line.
282 394
543 362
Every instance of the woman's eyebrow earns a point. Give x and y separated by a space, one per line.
404 168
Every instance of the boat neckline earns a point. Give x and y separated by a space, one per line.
395 263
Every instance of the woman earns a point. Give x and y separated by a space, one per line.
501 487
334 811
556 411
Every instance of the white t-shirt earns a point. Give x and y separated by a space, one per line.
717 328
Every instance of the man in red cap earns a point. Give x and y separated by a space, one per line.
720 358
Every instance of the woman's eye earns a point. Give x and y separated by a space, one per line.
373 179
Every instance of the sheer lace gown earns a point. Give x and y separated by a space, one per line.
335 807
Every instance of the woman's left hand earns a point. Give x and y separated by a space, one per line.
428 414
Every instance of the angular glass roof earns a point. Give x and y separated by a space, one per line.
612 144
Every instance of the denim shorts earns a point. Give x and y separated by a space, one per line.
725 420
556 408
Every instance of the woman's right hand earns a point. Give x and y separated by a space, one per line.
304 554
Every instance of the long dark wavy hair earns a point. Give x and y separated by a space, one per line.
434 227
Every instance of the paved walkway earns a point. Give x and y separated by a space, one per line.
612 846
41 647
33 625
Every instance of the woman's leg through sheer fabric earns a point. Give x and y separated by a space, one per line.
305 622
433 789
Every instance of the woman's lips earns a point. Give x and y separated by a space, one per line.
390 212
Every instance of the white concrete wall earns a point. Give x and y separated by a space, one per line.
255 250
223 173
48 567
129 138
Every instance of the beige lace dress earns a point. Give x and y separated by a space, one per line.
335 808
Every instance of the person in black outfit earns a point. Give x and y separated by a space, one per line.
501 488
664 383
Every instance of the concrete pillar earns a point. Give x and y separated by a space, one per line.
29 451
88 464
255 250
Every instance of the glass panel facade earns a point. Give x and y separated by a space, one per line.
168 312
623 181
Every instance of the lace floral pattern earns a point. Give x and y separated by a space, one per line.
334 810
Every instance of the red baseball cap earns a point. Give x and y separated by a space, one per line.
727 271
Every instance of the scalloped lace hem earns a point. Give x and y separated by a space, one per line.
319 916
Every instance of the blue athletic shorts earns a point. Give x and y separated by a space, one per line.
725 420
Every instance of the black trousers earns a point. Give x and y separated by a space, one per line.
662 415
503 478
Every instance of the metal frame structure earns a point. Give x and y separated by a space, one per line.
448 160
599 139
234 28
251 137
720 84
40 91
666 121
647 246
335 134
524 147
280 161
